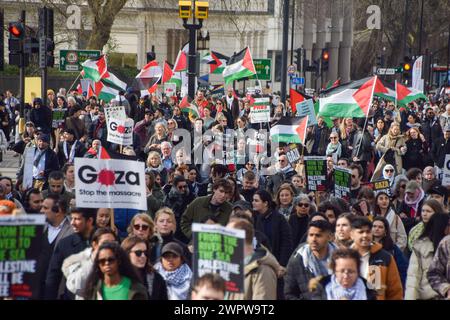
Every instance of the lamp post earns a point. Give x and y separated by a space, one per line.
200 9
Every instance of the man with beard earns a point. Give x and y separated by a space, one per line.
309 261
178 199
249 186
378 266
76 123
83 223
70 148
285 172
98 129
431 128
45 161
56 186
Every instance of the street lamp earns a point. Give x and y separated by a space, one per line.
203 40
200 10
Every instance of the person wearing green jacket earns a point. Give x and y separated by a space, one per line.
213 208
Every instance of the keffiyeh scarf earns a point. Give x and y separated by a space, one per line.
178 281
337 292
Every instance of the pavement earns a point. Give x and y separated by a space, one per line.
9 165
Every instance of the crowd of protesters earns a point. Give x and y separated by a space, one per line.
298 245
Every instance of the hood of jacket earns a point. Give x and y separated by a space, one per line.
375 247
260 257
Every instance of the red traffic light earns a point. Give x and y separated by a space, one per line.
16 29
325 55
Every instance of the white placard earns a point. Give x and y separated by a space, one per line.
120 131
260 111
306 108
170 89
110 184
116 112
28 168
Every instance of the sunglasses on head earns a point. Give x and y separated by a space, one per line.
143 227
139 253
107 260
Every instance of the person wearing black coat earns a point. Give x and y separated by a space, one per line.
41 116
178 198
274 225
431 128
441 148
82 221
417 149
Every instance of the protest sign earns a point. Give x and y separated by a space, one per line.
116 112
110 184
380 186
306 108
292 153
260 111
28 167
20 249
170 89
58 117
316 173
342 182
219 250
446 174
120 131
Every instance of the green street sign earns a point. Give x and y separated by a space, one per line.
71 60
263 69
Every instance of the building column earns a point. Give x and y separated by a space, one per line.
321 37
308 43
345 52
335 41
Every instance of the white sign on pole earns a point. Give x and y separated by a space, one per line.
260 111
28 168
306 108
170 89
120 131
417 82
116 112
446 175
110 184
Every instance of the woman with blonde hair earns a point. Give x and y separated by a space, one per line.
154 163
417 146
142 226
393 147
285 199
154 143
105 219
347 132
165 230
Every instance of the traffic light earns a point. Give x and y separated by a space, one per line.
325 59
46 41
407 68
379 62
15 43
46 48
201 9
185 9
298 58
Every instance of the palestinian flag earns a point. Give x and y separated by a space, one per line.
351 103
218 64
290 130
181 64
239 66
187 107
167 72
105 92
148 78
109 79
95 69
296 97
406 95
